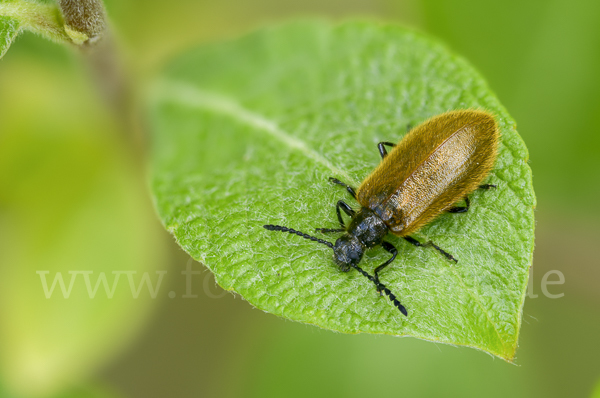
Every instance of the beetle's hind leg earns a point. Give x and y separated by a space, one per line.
487 186
430 243
461 209
464 209
350 190
394 252
382 150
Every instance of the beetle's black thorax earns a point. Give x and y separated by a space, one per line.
368 227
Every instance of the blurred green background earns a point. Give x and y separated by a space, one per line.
71 198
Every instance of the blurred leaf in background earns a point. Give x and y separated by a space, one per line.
70 200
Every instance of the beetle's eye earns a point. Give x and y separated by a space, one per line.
340 259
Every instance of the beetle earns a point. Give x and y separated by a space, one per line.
436 164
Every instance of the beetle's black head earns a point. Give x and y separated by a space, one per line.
347 251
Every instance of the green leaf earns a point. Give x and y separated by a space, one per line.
246 133
43 19
9 28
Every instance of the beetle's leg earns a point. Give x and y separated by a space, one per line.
347 209
461 209
464 209
382 288
382 150
328 230
487 186
394 252
430 243
350 190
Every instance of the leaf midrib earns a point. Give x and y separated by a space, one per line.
184 94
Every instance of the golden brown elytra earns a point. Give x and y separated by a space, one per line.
434 166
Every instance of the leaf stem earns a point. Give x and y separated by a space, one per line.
101 53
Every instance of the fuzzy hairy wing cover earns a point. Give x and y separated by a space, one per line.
434 166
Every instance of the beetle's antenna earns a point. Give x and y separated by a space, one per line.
293 231
381 287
